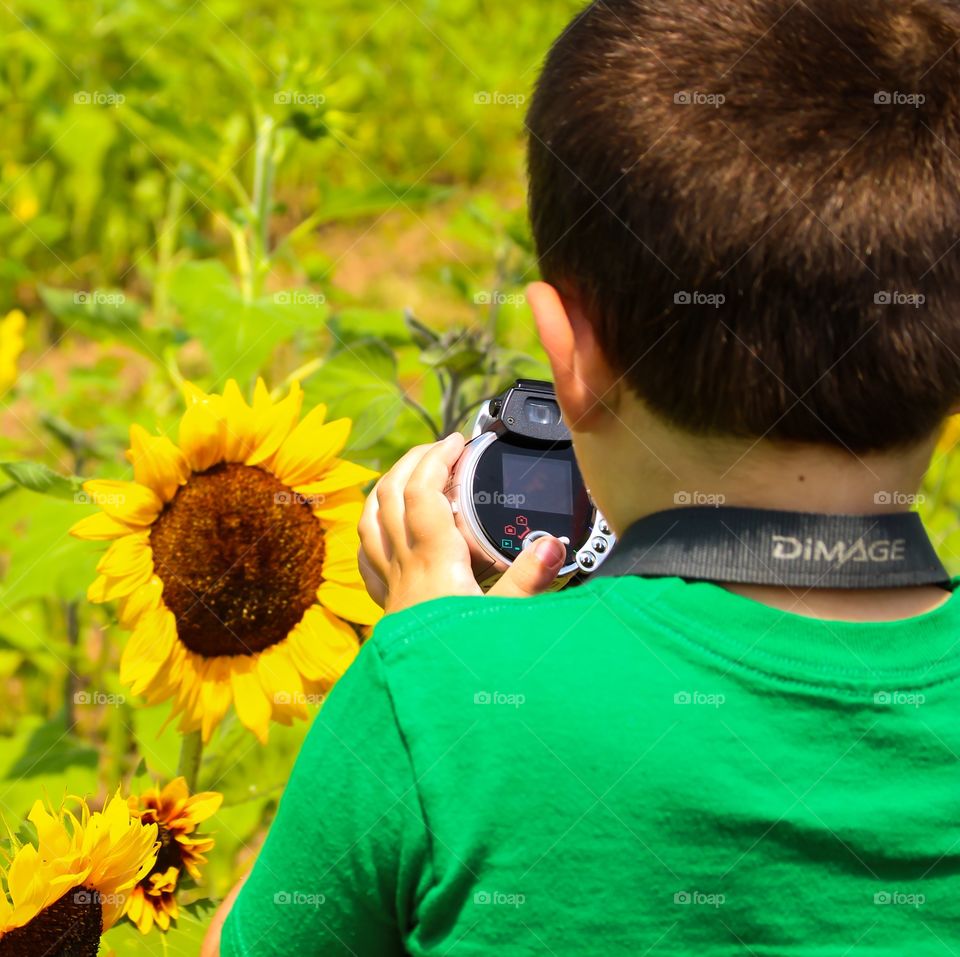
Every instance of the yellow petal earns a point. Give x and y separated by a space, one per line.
203 805
341 545
105 588
310 447
273 423
321 646
193 394
127 502
202 434
99 527
135 905
343 506
157 462
340 475
239 438
250 701
145 598
281 681
127 556
215 696
148 648
353 604
24 874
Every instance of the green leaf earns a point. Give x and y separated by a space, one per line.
42 559
38 478
360 383
422 335
387 325
107 315
159 746
345 204
238 336
463 352
42 760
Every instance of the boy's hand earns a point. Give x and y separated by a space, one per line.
410 547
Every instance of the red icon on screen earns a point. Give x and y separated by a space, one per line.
509 530
522 520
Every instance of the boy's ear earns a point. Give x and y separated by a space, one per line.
587 387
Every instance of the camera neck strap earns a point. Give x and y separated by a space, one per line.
767 547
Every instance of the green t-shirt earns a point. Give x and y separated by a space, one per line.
630 767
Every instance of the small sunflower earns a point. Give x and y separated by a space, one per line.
234 557
11 345
176 813
70 888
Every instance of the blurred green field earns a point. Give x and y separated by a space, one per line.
222 189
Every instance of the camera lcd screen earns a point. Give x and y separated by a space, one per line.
541 484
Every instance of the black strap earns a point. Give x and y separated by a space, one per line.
767 547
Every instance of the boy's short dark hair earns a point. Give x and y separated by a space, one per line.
758 203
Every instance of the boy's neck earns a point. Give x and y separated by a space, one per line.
640 466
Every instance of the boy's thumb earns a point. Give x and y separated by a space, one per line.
533 570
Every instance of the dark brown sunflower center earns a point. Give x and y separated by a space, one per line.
169 854
69 927
240 558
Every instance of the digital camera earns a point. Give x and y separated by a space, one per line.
518 481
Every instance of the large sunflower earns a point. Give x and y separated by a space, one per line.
176 813
75 883
234 558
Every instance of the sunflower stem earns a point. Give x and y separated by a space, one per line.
191 751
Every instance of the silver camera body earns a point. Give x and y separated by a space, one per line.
518 480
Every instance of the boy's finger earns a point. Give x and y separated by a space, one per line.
429 519
389 495
372 537
372 574
533 570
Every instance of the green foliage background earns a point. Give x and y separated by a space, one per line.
226 188
216 189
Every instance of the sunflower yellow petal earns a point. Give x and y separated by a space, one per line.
135 905
342 569
239 438
145 598
99 527
273 423
204 804
105 588
127 502
157 462
339 475
215 696
350 603
127 556
250 701
202 434
310 447
321 646
345 505
341 546
281 681
148 648
192 394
